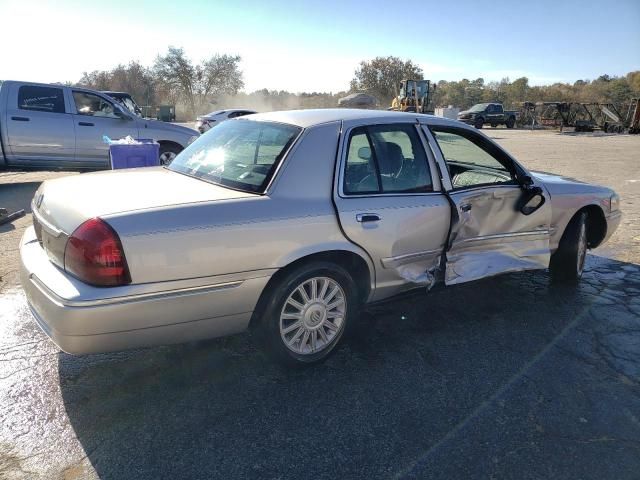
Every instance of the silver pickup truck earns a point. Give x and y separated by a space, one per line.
60 127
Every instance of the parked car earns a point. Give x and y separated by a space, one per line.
491 113
205 122
289 222
60 127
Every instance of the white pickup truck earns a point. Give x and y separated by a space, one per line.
61 127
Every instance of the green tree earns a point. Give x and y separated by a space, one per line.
198 85
381 76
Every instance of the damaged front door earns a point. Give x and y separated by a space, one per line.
389 204
501 222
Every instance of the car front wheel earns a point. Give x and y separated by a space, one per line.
567 263
308 313
168 153
478 123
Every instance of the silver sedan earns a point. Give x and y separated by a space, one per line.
288 223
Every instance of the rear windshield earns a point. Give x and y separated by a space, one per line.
239 154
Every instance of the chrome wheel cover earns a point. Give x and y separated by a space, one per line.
167 157
312 317
582 248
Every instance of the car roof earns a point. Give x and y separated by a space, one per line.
312 117
119 94
227 110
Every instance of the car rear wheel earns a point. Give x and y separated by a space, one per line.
308 313
511 122
168 153
567 263
494 125
479 123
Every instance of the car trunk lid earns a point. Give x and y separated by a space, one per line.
62 205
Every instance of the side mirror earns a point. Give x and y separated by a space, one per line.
525 181
531 200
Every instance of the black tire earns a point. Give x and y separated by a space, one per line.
479 123
168 152
567 263
269 331
494 125
511 121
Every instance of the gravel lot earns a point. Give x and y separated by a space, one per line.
508 377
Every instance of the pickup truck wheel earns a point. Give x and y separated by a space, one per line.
567 263
308 313
168 153
494 125
511 122
479 123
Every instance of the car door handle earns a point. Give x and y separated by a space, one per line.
465 207
85 124
20 119
367 217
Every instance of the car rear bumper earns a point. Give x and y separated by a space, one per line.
94 324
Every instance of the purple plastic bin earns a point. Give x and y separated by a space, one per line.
146 154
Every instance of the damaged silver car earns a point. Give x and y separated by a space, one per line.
288 223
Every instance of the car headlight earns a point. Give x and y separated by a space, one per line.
193 139
614 203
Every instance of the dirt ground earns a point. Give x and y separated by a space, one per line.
510 377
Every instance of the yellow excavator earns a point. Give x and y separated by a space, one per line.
415 96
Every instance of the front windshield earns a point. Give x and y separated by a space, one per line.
480 107
240 154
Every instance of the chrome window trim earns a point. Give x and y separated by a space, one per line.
341 165
485 186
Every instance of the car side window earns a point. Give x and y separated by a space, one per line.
386 159
93 105
361 174
42 99
471 160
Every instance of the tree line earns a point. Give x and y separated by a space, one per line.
217 82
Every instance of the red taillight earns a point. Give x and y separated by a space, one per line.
94 254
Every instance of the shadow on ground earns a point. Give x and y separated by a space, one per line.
510 377
16 196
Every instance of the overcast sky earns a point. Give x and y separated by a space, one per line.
316 45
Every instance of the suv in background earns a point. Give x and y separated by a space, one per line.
205 122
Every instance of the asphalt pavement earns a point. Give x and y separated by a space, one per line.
506 378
